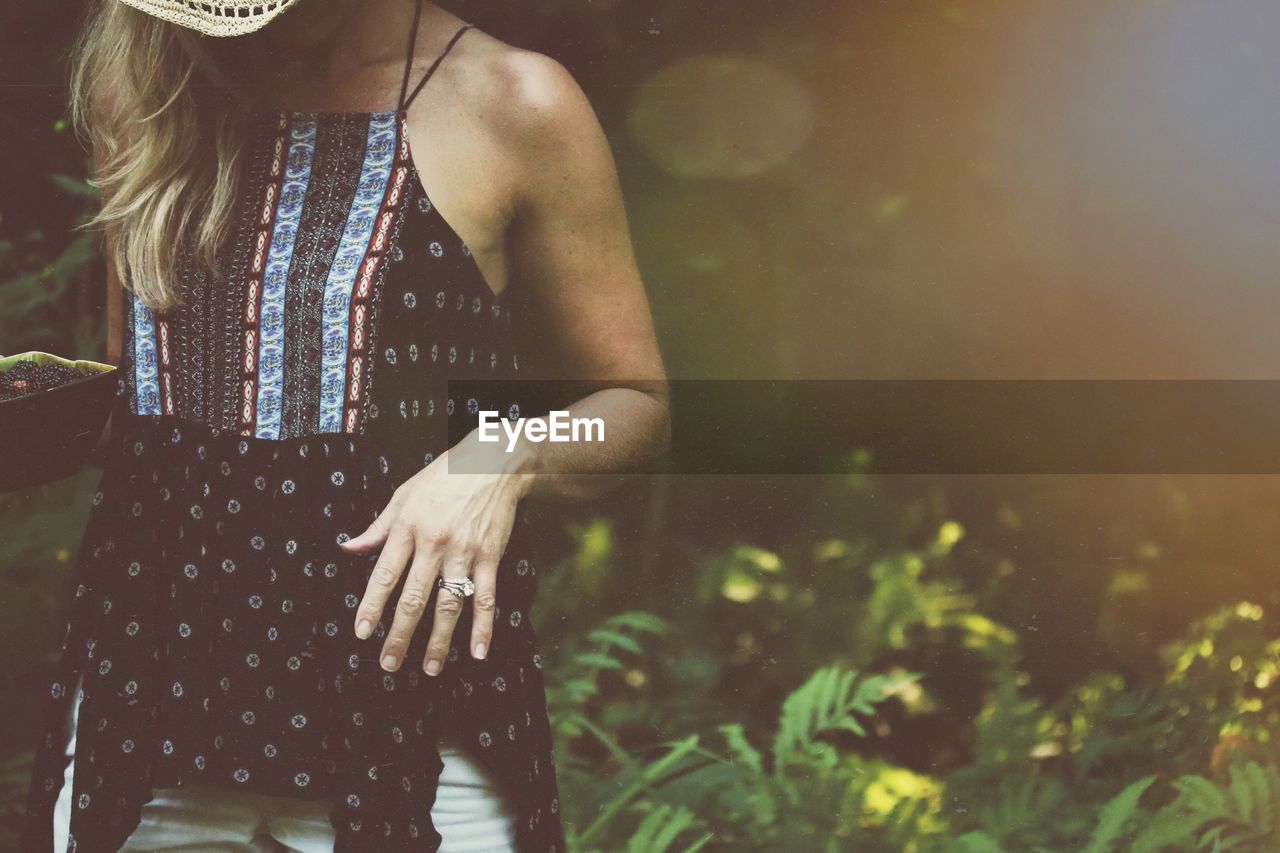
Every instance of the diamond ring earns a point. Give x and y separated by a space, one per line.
460 588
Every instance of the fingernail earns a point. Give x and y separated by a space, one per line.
481 649
389 662
364 629
433 667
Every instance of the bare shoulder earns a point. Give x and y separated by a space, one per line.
540 95
501 129
527 98
556 155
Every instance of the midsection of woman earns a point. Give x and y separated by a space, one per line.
266 546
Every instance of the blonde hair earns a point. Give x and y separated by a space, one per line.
145 96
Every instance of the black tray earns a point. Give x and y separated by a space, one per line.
48 435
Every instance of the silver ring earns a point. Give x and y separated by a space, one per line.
460 588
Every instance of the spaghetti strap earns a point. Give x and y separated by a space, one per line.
404 102
408 60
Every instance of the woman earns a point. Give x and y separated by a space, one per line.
288 618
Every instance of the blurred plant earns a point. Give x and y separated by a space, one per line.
1243 813
730 792
45 286
668 741
1051 769
41 527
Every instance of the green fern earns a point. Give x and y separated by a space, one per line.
1115 815
578 681
755 781
1022 804
826 703
661 828
741 749
1238 814
651 776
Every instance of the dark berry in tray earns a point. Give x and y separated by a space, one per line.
28 377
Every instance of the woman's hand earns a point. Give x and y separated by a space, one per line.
442 524
570 241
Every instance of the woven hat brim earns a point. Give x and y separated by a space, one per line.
215 17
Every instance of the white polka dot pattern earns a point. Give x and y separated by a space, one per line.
212 612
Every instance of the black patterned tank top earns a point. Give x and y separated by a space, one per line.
257 426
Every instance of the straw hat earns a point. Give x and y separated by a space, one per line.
215 17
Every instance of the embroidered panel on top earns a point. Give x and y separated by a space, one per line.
372 196
264 309
302 282
341 141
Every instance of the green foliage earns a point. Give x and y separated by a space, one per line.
731 778
1116 815
45 287
1171 759
1241 813
579 679
32 570
661 827
827 702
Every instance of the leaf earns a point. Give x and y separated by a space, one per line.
735 737
1259 783
1241 812
1020 804
680 820
679 749
700 843
638 620
608 637
596 660
74 258
977 842
653 834
1241 793
648 776
1202 795
1116 814
1170 826
824 703
75 186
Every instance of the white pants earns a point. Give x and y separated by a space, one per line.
469 814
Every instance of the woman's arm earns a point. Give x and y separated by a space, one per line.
571 249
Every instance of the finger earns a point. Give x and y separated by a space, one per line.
483 606
448 608
382 580
376 533
412 604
